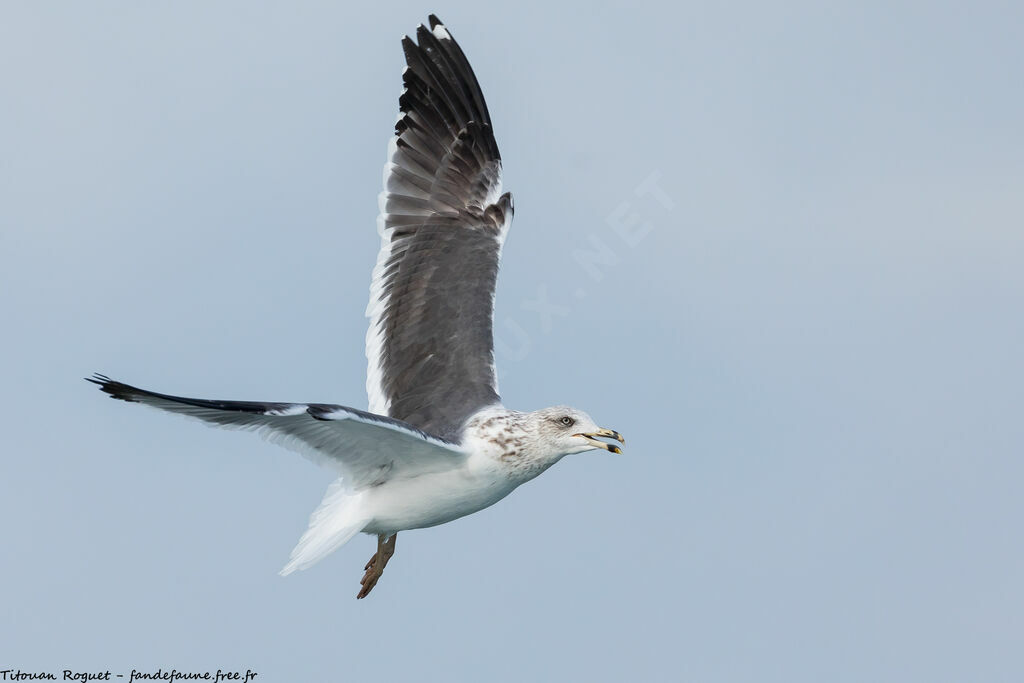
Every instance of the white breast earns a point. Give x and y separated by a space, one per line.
436 498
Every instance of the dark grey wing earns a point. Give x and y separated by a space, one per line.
361 447
443 221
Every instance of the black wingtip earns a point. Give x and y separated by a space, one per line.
434 21
101 380
114 389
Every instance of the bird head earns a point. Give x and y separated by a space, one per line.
562 430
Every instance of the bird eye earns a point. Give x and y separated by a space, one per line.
567 421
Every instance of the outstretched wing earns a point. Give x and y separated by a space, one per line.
442 224
362 448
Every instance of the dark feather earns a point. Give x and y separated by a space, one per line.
436 358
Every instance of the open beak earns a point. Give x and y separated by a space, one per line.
607 433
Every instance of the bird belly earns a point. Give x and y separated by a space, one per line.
432 499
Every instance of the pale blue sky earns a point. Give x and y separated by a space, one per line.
812 341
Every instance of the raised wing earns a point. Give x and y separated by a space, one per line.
362 448
442 224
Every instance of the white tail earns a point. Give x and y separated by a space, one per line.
338 518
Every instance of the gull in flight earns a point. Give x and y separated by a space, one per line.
436 443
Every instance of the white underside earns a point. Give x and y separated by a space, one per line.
401 503
435 498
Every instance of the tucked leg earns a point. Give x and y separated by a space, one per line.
375 567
